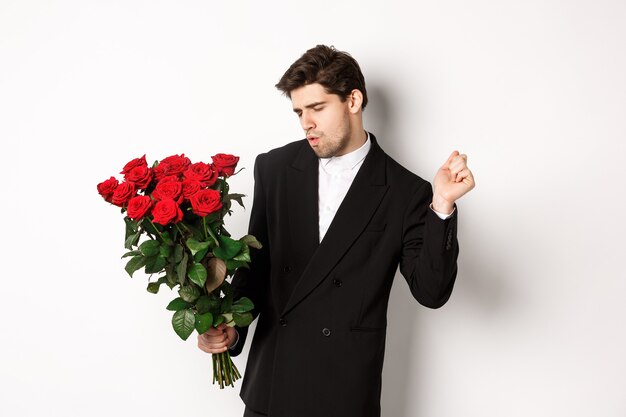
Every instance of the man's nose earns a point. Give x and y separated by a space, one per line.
307 122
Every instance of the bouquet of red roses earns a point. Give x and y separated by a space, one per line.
175 228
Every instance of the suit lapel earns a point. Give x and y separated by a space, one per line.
354 213
302 201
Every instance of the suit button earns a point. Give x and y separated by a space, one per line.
326 332
287 269
337 282
282 322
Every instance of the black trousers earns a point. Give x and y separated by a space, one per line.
250 413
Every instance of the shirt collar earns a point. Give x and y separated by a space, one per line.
349 160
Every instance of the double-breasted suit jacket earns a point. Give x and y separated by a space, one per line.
320 339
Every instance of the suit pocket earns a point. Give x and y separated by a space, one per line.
367 329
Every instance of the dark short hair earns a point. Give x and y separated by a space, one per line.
335 70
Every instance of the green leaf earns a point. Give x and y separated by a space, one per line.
232 264
204 322
228 248
219 320
131 253
197 274
228 319
206 304
167 239
181 269
251 241
170 275
244 255
149 247
242 305
189 293
165 251
183 322
153 287
149 227
132 240
196 246
177 304
237 197
155 264
178 253
134 264
131 227
200 255
242 319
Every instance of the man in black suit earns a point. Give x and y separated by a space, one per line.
336 215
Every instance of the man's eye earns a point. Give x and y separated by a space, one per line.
318 108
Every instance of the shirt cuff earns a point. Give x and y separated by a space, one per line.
442 216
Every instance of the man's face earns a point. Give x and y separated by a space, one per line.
324 118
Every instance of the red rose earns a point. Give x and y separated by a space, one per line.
138 207
205 202
107 188
202 172
123 193
166 211
168 189
137 162
225 163
140 176
170 178
172 165
190 187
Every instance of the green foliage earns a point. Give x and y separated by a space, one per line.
178 304
203 322
228 249
153 287
189 293
197 274
184 322
135 263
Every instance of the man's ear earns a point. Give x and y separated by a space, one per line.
355 100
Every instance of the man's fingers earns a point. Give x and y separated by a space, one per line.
461 175
453 155
213 344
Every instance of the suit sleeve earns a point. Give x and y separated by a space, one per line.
429 250
254 282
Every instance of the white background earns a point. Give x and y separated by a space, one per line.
534 92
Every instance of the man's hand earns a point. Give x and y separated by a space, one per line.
217 340
452 181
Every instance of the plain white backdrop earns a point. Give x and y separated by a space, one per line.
534 92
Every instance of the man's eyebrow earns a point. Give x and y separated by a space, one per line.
310 106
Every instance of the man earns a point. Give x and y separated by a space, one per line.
336 216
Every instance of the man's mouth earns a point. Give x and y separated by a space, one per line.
312 140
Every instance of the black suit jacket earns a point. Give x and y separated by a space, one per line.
319 343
